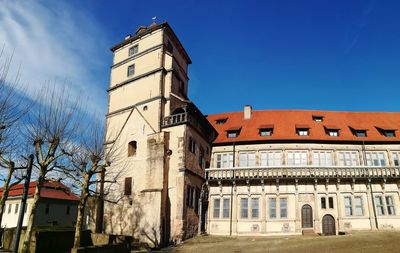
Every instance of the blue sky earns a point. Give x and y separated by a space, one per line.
328 55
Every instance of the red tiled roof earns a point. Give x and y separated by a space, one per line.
50 190
285 122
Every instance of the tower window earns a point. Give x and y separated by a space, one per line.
132 146
145 108
128 186
133 50
131 70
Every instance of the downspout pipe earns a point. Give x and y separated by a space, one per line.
233 176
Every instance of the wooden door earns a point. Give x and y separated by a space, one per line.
328 225
306 217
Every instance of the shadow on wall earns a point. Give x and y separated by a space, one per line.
126 217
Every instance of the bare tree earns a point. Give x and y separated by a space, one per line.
88 161
11 111
51 128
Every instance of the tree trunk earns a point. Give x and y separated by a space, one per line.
79 219
32 215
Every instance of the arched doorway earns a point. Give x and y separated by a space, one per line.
306 217
328 225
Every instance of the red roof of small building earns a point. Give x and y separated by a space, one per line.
285 122
50 190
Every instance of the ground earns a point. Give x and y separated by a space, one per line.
361 242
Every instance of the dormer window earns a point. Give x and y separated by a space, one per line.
318 118
359 132
265 130
332 131
221 121
233 132
133 50
386 131
302 130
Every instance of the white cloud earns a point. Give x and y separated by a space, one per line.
55 42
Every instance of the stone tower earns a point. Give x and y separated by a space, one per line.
160 141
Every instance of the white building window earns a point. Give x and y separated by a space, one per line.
273 158
283 208
348 158
380 209
226 208
224 160
390 205
297 158
358 204
375 158
272 208
322 158
255 208
16 208
133 50
247 159
396 158
9 208
216 211
348 207
244 208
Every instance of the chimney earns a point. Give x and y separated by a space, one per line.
247 112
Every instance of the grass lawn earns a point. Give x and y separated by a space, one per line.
361 242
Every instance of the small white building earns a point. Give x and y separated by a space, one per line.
58 206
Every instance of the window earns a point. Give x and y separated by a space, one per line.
390 205
16 208
132 146
145 108
272 208
333 133
283 208
302 131
375 158
247 159
273 158
348 158
128 186
389 133
254 208
201 158
47 210
330 200
192 145
131 70
359 132
244 208
323 203
379 205
396 158
226 208
9 208
221 121
232 134
224 160
297 158
348 206
133 50
190 196
265 131
318 118
68 209
322 158
358 206
216 208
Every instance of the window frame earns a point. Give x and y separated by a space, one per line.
134 52
131 70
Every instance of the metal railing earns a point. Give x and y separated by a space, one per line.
302 172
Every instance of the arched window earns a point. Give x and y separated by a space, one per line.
132 146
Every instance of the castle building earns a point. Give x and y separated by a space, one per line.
244 173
